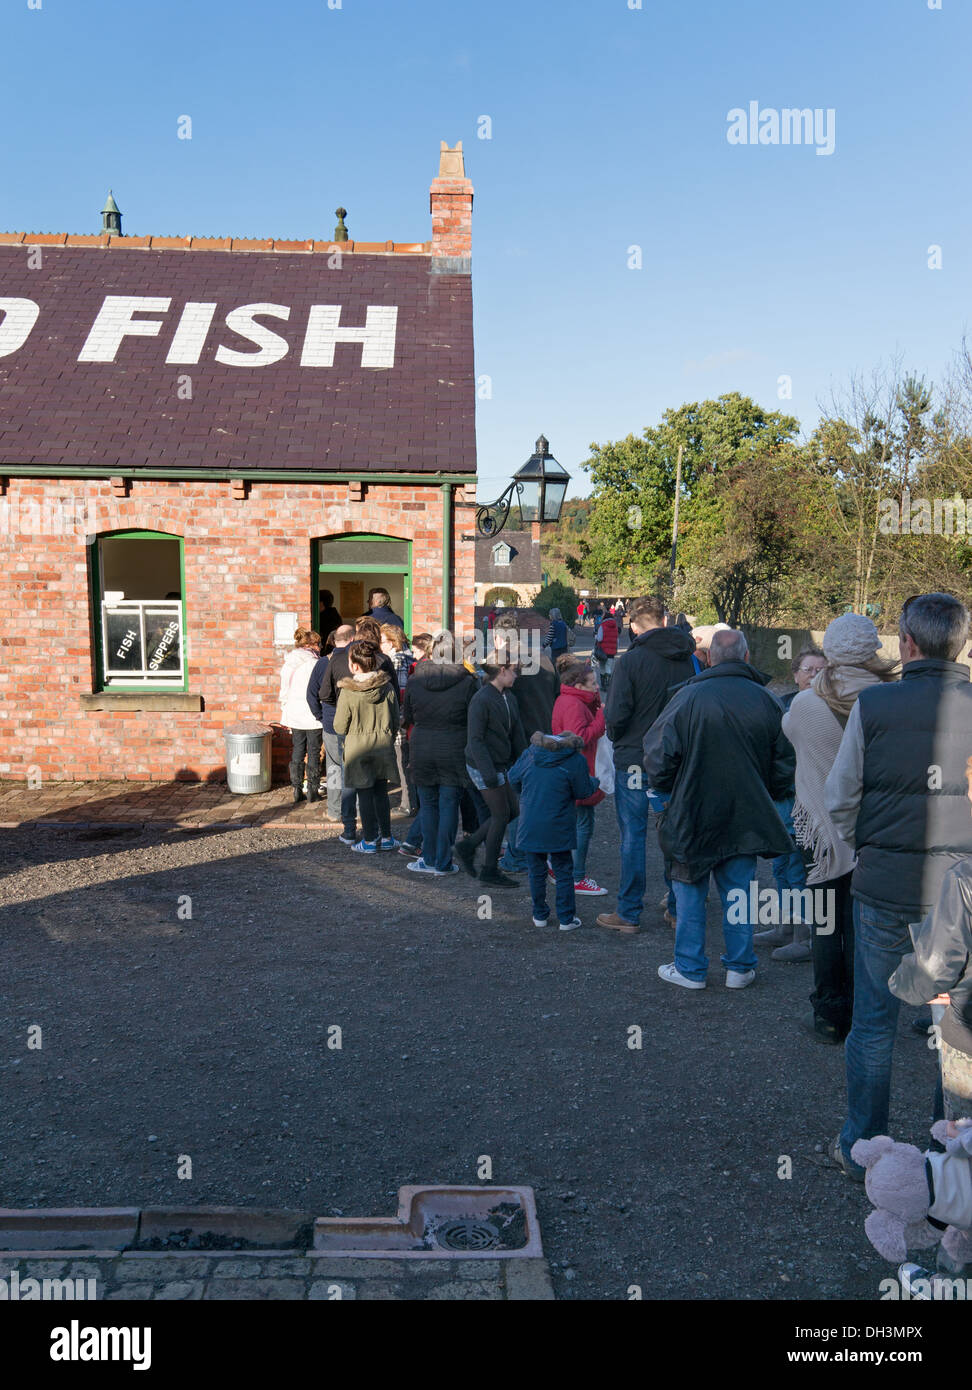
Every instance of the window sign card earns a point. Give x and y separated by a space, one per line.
284 627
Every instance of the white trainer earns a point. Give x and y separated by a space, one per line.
739 979
674 976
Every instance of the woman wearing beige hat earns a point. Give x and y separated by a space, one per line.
814 724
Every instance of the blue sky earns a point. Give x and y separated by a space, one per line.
609 130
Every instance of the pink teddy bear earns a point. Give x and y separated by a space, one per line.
912 1191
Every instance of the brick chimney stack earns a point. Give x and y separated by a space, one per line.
450 203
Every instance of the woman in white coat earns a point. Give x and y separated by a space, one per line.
306 732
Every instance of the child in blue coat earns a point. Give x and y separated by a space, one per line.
550 776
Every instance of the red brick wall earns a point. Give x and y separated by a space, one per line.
244 560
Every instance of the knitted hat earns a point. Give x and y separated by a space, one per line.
851 640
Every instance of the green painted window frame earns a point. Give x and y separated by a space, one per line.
406 571
143 687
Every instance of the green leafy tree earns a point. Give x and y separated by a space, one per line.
634 481
560 596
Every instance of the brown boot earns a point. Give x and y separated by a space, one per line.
611 919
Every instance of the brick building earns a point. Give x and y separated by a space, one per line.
198 436
511 560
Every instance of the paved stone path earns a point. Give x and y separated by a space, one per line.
190 805
284 1276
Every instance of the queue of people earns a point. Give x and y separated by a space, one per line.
856 786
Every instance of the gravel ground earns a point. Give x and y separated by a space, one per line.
207 1036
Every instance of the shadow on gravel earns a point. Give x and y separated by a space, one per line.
312 1029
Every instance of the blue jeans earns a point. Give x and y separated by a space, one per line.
631 808
440 820
690 958
585 829
789 870
341 800
881 941
563 867
514 859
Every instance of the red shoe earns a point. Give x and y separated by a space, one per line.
590 888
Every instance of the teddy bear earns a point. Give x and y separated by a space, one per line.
918 1196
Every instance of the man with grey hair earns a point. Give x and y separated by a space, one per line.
897 794
719 751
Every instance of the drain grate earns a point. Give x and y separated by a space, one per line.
467 1235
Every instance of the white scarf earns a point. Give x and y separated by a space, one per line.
815 732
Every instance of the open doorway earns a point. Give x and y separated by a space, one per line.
349 566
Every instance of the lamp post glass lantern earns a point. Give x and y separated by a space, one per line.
536 493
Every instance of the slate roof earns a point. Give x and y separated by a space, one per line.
416 415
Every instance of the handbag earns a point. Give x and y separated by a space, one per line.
604 764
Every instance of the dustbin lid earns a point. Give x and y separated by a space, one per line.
249 727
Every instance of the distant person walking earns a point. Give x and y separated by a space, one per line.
556 636
305 730
720 734
605 648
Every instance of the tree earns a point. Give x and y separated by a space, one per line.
634 480
756 550
558 596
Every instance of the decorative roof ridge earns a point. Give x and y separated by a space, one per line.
191 243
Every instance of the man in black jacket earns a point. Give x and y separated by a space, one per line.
896 793
719 751
660 657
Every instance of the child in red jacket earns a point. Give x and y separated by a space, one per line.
578 710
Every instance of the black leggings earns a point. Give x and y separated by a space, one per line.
375 811
306 741
503 806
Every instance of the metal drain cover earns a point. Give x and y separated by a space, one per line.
467 1235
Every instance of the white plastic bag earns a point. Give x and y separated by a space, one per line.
604 764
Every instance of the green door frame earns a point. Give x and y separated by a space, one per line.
405 570
142 686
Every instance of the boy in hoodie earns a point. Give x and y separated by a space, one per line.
550 776
367 716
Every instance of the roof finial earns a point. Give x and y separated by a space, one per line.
340 231
111 217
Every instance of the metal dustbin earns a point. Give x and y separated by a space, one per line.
248 756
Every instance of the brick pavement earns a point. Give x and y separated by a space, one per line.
189 805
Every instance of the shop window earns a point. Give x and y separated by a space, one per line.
140 612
